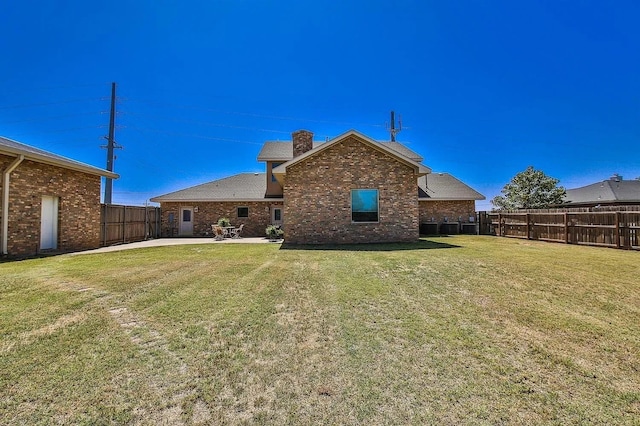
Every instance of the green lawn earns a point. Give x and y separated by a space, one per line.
465 329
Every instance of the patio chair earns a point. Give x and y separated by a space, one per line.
237 232
218 232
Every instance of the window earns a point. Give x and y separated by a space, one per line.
277 215
243 211
364 205
273 166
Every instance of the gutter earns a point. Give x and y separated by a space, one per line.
5 201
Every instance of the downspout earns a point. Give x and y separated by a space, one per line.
5 202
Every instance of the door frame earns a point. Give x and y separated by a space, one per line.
49 216
272 215
181 222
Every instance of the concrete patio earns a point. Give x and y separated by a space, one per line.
175 242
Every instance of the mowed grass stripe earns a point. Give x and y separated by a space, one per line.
461 329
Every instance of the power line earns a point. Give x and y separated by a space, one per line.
31 120
204 123
192 136
72 129
250 114
74 86
50 103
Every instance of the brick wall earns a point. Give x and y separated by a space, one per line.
302 142
317 194
78 209
437 211
209 212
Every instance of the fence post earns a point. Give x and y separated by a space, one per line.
528 227
566 228
617 229
104 224
124 224
500 224
146 222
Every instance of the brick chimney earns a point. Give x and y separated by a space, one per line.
302 142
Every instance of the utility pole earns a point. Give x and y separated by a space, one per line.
392 128
111 145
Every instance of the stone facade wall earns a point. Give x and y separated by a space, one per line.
317 193
78 209
209 212
453 211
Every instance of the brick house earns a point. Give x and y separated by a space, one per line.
48 202
350 189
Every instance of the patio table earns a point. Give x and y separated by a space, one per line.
228 231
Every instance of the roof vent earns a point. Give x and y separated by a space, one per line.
616 177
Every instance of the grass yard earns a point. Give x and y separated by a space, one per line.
465 329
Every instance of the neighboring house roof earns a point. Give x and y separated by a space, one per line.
241 187
13 148
283 151
443 186
381 146
608 191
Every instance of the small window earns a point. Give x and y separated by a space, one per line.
243 211
277 215
273 166
186 215
364 205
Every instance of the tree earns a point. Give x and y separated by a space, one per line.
530 189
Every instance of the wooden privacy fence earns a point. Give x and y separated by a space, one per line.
126 224
617 229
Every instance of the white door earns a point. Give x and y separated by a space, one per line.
49 223
186 221
276 215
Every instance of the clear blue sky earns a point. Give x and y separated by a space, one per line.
485 88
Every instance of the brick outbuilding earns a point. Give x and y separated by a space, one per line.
350 189
47 202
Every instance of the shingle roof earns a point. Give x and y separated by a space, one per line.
252 186
443 186
608 191
283 151
241 187
381 146
14 148
279 151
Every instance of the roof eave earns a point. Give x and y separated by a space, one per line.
220 200
71 165
452 198
274 158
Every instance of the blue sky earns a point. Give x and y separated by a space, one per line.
484 88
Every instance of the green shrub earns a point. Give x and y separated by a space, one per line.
224 221
273 232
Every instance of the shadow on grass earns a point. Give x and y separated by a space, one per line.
6 258
422 244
